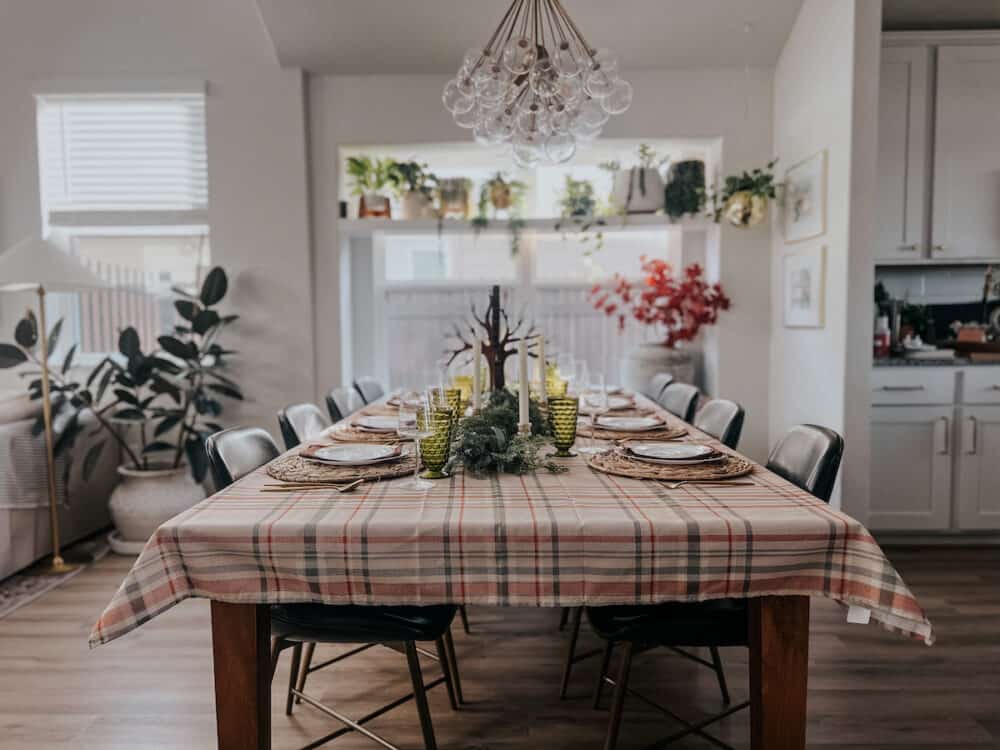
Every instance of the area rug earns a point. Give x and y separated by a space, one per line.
23 588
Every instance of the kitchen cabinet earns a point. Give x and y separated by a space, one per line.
966 223
978 469
904 131
911 476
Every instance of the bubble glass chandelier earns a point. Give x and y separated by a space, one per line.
537 85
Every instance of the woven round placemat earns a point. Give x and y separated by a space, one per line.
600 433
294 468
615 462
345 433
380 410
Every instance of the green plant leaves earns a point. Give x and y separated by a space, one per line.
205 321
128 343
11 356
68 362
226 390
187 309
90 460
53 341
214 288
26 332
176 347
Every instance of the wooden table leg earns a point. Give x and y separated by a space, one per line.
241 640
779 672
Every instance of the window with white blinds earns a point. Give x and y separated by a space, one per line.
123 154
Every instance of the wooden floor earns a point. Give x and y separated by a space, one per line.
153 689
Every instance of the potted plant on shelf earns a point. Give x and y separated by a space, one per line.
577 199
157 408
638 189
502 194
371 177
454 192
415 186
677 306
685 190
745 197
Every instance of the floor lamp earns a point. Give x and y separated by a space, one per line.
37 265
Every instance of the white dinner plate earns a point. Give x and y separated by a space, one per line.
378 423
615 403
630 424
610 389
671 451
355 454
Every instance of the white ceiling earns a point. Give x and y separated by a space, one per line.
915 15
431 36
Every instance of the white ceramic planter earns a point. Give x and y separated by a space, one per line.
642 363
637 190
144 500
417 205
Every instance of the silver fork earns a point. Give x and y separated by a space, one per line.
726 482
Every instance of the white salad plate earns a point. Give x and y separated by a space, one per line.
378 423
672 451
354 454
630 424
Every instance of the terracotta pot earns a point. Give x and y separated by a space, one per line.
642 363
638 190
374 205
145 499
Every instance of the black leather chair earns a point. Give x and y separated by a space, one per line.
809 457
342 402
233 454
657 383
369 389
721 419
680 399
300 422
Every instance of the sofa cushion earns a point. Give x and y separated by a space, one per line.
16 406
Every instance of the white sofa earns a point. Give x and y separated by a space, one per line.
24 509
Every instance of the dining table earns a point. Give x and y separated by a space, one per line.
580 537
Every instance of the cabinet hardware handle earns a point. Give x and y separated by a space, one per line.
908 247
945 449
937 248
970 440
900 388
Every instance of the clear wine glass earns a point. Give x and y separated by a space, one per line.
567 368
408 428
596 400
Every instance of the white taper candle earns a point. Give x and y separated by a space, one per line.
477 355
524 385
542 370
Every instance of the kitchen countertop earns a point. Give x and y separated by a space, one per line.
949 362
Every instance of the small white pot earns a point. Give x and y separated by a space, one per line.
637 190
642 363
417 205
144 500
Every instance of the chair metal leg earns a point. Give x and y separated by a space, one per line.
605 662
446 671
456 677
720 674
293 676
307 657
563 618
571 651
420 696
465 618
618 699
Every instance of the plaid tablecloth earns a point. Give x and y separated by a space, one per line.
543 540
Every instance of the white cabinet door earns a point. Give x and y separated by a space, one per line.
902 153
966 213
911 468
978 478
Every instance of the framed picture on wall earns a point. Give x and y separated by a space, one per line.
805 288
805 199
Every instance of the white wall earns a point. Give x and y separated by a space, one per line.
258 186
824 99
729 104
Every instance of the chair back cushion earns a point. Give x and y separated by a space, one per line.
654 389
342 402
299 422
809 457
721 419
680 399
369 389
234 453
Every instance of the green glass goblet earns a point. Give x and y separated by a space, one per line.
449 398
563 413
438 420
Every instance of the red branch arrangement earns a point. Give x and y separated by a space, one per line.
681 305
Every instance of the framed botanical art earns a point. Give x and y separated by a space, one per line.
805 288
805 199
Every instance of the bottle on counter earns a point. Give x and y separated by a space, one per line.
882 337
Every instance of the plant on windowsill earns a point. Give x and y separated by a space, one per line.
581 211
371 177
678 306
502 195
415 186
745 197
638 189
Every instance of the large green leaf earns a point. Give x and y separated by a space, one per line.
226 390
128 343
68 362
166 425
91 459
177 348
187 309
127 396
214 288
54 336
205 321
26 332
11 356
129 415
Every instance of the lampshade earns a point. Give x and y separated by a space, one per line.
35 262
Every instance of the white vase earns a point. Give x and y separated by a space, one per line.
416 205
638 190
645 361
145 499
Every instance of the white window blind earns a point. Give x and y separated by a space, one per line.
131 156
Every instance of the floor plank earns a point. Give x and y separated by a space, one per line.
868 690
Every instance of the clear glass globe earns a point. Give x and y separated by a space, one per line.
468 119
526 157
599 83
533 123
560 148
471 59
492 88
466 86
543 79
560 122
620 98
567 61
569 90
454 100
605 60
519 54
592 115
500 128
